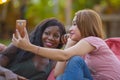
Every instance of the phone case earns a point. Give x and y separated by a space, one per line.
20 24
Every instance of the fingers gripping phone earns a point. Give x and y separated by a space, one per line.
20 25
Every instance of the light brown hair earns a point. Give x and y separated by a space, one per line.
89 23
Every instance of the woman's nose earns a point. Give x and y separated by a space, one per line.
71 28
50 37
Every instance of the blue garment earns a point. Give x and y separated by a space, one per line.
76 69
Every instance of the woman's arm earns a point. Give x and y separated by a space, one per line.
60 66
2 47
80 48
8 74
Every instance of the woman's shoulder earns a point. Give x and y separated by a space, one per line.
95 41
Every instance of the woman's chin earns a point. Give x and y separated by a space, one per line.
74 39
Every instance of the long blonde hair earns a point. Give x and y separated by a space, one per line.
89 23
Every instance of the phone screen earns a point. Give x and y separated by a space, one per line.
20 24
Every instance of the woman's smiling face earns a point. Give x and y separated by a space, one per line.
51 37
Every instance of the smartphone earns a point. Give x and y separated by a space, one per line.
20 24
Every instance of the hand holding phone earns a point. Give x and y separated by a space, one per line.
20 25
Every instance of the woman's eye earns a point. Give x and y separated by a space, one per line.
56 36
46 33
74 24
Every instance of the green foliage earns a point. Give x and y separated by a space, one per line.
41 9
38 10
115 4
4 41
81 4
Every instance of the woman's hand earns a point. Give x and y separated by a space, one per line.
66 40
20 42
2 47
70 43
21 78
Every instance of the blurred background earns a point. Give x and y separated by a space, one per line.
36 10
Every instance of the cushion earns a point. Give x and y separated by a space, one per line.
114 44
51 76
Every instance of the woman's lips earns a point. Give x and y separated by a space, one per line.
71 34
48 44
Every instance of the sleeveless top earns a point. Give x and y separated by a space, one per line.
27 69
